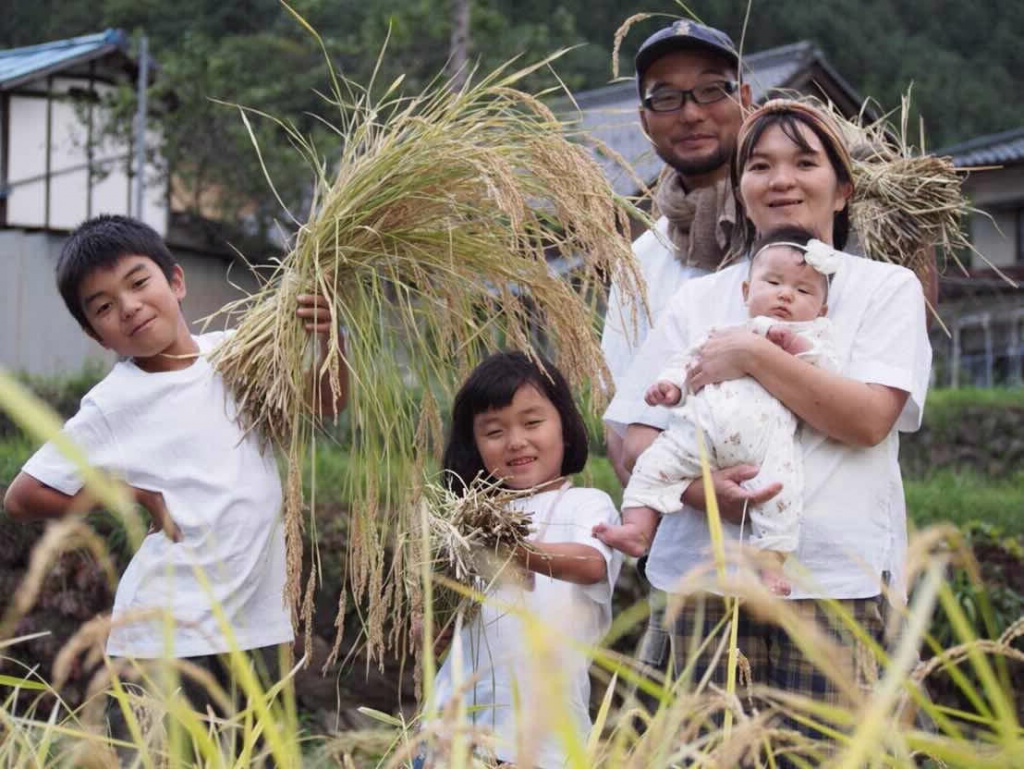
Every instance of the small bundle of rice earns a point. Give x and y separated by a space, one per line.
471 536
430 239
480 520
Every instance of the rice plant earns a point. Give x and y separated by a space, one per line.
430 236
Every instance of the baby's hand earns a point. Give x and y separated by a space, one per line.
315 312
788 340
663 393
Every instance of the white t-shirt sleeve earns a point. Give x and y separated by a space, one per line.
89 430
669 337
891 346
582 509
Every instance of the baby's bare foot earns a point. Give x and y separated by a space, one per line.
626 538
776 582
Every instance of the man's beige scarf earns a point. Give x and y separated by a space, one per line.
701 223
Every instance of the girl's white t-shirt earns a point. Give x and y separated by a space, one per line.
517 688
175 432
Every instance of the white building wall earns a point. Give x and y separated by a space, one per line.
38 334
995 237
71 199
999 193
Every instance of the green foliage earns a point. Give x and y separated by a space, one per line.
947 404
63 394
966 496
14 452
970 431
1001 594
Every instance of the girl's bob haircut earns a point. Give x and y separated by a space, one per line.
493 385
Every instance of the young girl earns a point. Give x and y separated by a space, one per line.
515 421
787 298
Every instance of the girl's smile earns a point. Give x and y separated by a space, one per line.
521 443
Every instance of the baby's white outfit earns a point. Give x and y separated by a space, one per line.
742 424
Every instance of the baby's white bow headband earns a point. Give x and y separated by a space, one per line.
820 255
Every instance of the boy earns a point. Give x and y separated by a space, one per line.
163 422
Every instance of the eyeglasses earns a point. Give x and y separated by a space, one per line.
672 99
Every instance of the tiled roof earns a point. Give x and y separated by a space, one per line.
610 115
1000 149
23 65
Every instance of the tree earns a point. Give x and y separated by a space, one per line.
459 57
964 61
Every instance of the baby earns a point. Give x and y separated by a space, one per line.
786 295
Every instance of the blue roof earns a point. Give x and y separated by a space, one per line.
995 149
23 65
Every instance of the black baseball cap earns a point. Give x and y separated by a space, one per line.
684 35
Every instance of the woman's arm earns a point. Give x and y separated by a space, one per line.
847 410
567 561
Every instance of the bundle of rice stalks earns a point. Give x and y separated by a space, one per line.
479 521
429 237
470 535
906 202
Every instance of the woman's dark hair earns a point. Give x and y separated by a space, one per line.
98 244
788 234
789 122
493 385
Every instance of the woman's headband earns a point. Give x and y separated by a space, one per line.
813 115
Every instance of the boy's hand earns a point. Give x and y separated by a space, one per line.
153 503
663 393
315 312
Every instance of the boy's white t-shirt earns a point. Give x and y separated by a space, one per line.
500 667
175 432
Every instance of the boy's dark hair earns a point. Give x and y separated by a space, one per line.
492 385
97 244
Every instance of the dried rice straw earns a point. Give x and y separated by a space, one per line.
470 534
429 237
905 203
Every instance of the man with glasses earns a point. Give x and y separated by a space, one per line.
692 101
691 106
